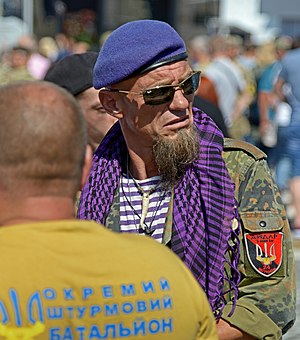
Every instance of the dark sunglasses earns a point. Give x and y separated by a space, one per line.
163 94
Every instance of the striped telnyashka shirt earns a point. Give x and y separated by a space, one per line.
131 206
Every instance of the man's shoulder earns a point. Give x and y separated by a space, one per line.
241 157
291 55
238 148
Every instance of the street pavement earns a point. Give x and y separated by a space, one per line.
294 332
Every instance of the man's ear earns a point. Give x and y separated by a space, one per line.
108 101
87 165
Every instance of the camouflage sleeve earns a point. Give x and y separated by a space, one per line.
266 305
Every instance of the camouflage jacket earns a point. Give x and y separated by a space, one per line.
266 304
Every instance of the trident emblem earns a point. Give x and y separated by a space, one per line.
267 259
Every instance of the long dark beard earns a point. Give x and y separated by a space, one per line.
173 156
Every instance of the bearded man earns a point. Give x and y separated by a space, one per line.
162 171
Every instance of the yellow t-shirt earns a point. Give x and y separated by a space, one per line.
77 280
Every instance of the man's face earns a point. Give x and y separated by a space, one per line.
142 123
19 59
98 120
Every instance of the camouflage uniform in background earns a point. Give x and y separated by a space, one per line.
266 307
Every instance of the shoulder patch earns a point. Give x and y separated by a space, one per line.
264 251
231 144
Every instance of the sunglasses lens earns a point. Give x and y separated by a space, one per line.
158 96
164 94
191 84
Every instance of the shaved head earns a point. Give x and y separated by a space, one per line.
43 140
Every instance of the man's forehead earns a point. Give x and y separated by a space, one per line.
179 67
166 74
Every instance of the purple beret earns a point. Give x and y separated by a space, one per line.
136 47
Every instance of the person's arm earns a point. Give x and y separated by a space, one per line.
265 308
263 108
228 332
266 98
278 89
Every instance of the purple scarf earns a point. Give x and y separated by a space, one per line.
204 207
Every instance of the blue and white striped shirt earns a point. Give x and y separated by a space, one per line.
131 206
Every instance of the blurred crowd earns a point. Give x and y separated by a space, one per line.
237 88
30 58
239 78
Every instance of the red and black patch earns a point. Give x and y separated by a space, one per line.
264 251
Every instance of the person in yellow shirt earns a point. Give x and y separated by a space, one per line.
62 278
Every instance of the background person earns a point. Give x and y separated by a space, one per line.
16 69
38 63
160 172
64 278
75 74
228 82
273 134
199 51
290 76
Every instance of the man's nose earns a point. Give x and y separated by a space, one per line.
180 101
